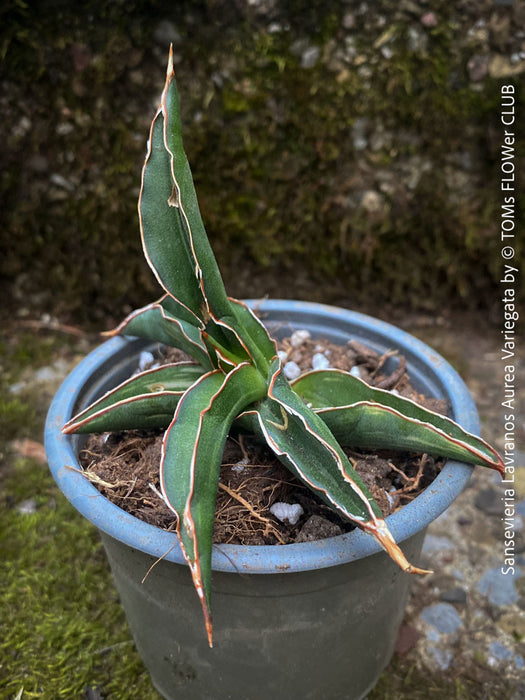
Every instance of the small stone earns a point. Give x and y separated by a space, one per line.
22 127
64 128
478 33
45 374
55 372
274 28
442 658
145 360
454 595
372 202
287 511
310 56
443 617
478 67
17 387
499 652
239 466
433 544
291 370
318 528
429 19
489 501
60 181
282 355
27 507
498 587
319 361
417 40
359 130
299 337
349 20
355 372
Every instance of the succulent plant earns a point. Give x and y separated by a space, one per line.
237 377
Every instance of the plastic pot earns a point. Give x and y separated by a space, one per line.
310 620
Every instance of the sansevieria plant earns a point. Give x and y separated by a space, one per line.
238 377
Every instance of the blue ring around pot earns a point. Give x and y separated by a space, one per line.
61 451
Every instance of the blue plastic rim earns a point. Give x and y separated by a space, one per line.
115 359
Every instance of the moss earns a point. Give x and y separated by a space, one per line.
63 629
16 417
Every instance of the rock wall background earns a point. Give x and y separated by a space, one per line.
345 152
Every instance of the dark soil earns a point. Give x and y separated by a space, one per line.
125 467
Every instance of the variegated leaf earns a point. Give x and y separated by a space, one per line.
262 347
362 416
156 323
183 198
166 245
145 401
191 458
306 446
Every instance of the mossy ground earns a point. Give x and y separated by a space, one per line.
63 631
62 628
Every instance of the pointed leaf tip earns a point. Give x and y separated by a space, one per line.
170 71
380 532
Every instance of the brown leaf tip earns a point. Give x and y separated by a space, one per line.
170 71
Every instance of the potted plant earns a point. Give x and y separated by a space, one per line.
317 619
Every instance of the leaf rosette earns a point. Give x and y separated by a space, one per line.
235 376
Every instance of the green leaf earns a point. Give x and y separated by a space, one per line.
156 323
303 442
166 244
362 416
245 340
261 346
145 401
191 458
184 199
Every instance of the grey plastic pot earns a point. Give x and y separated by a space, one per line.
311 620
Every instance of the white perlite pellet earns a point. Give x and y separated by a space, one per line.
145 359
298 337
287 511
319 361
291 370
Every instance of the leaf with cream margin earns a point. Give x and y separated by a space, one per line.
191 457
145 401
362 416
302 441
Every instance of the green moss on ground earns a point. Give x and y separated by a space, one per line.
63 630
